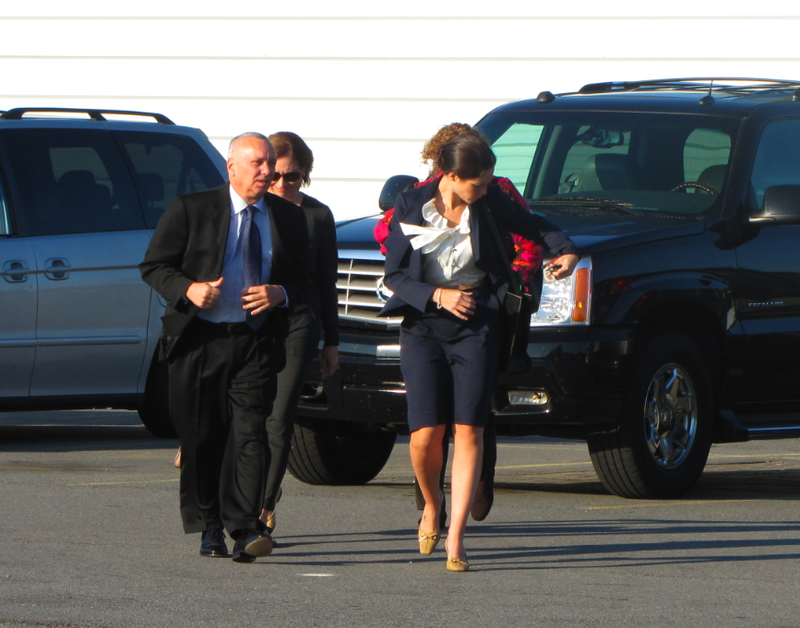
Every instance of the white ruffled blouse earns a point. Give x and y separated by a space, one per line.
447 259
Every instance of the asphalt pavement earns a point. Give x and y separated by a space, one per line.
91 538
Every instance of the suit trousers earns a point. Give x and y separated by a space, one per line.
280 424
222 385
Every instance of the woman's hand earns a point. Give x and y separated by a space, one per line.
562 266
328 361
458 303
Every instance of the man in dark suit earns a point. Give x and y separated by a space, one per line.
230 262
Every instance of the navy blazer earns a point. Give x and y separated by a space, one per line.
404 273
189 245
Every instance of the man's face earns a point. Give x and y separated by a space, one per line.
250 168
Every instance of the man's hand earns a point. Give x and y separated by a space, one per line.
259 299
204 294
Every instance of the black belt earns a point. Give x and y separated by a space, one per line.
230 329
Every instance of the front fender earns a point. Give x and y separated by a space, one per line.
639 298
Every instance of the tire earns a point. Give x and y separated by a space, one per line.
337 453
154 412
660 445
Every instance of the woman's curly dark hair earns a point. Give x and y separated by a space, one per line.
444 135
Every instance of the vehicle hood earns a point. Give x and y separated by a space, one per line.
357 234
601 233
591 234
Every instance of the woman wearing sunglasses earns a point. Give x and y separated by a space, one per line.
320 313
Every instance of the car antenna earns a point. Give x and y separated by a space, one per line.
708 99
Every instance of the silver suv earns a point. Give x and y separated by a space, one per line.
80 193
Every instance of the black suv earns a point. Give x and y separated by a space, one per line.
681 326
80 194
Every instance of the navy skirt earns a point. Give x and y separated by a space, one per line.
449 365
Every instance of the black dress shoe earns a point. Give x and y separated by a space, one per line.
484 498
251 545
212 544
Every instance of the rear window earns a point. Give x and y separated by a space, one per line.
70 181
166 166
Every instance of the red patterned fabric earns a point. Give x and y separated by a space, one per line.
528 258
381 230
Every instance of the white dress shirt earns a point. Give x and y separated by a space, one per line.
228 308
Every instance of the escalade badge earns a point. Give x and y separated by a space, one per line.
383 292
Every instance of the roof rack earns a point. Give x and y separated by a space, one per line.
94 114
740 86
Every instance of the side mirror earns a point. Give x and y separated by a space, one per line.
781 205
392 189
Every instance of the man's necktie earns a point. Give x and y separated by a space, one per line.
251 259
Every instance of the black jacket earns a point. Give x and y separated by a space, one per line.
189 246
404 275
321 309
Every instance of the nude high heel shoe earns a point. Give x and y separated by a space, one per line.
456 564
429 540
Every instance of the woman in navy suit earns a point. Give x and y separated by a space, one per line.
447 273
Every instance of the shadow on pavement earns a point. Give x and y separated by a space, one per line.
76 430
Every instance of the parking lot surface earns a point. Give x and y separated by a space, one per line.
92 539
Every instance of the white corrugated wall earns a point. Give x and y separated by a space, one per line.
365 83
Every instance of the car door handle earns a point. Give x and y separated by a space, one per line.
16 271
57 269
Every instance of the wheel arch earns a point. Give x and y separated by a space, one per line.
697 322
699 305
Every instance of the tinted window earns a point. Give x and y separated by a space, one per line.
583 154
514 150
642 161
166 166
705 149
70 181
778 157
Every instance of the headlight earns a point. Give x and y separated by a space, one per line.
566 301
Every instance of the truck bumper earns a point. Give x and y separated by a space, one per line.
577 378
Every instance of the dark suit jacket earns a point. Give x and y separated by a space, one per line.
189 246
404 274
321 309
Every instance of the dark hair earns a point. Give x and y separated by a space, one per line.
288 144
466 156
445 134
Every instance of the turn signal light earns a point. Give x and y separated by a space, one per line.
580 311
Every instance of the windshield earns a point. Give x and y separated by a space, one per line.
611 162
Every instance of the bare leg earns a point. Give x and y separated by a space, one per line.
467 455
426 459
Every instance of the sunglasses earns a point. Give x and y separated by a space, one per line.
289 177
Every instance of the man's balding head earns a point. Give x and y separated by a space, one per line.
251 164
